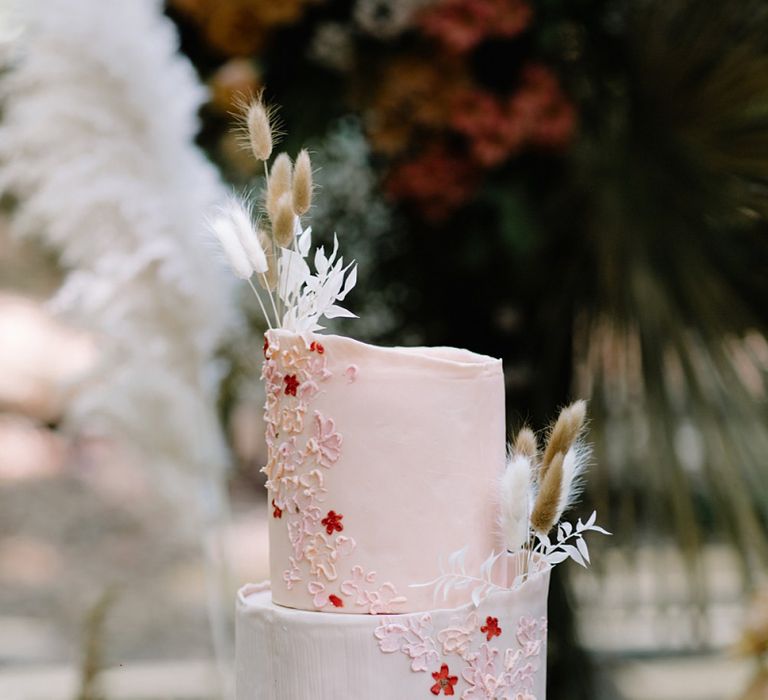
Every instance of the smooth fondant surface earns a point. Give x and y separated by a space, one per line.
404 444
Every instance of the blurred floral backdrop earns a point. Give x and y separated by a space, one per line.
577 186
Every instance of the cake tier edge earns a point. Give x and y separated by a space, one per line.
494 650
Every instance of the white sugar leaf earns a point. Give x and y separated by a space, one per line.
592 519
582 546
597 528
487 567
574 554
334 311
294 272
456 560
304 242
335 248
477 595
321 262
330 290
349 283
556 557
567 528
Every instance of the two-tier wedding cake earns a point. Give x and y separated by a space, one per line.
410 551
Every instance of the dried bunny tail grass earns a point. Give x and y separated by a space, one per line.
547 504
258 126
302 183
566 430
525 443
283 222
514 509
269 279
280 177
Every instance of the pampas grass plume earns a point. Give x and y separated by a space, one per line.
226 234
280 176
515 487
302 183
247 235
564 433
548 501
283 222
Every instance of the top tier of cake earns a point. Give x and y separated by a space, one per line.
382 463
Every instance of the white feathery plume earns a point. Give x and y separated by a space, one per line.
228 236
574 465
97 147
247 235
515 501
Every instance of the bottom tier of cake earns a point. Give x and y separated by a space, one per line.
496 650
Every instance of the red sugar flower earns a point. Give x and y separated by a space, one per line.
332 522
444 682
314 346
491 628
336 601
277 512
291 384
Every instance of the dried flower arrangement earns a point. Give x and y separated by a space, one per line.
536 489
274 248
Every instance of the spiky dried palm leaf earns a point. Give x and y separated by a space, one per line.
672 346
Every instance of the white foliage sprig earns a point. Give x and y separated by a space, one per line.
311 296
455 577
569 542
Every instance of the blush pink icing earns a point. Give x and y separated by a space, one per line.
397 458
